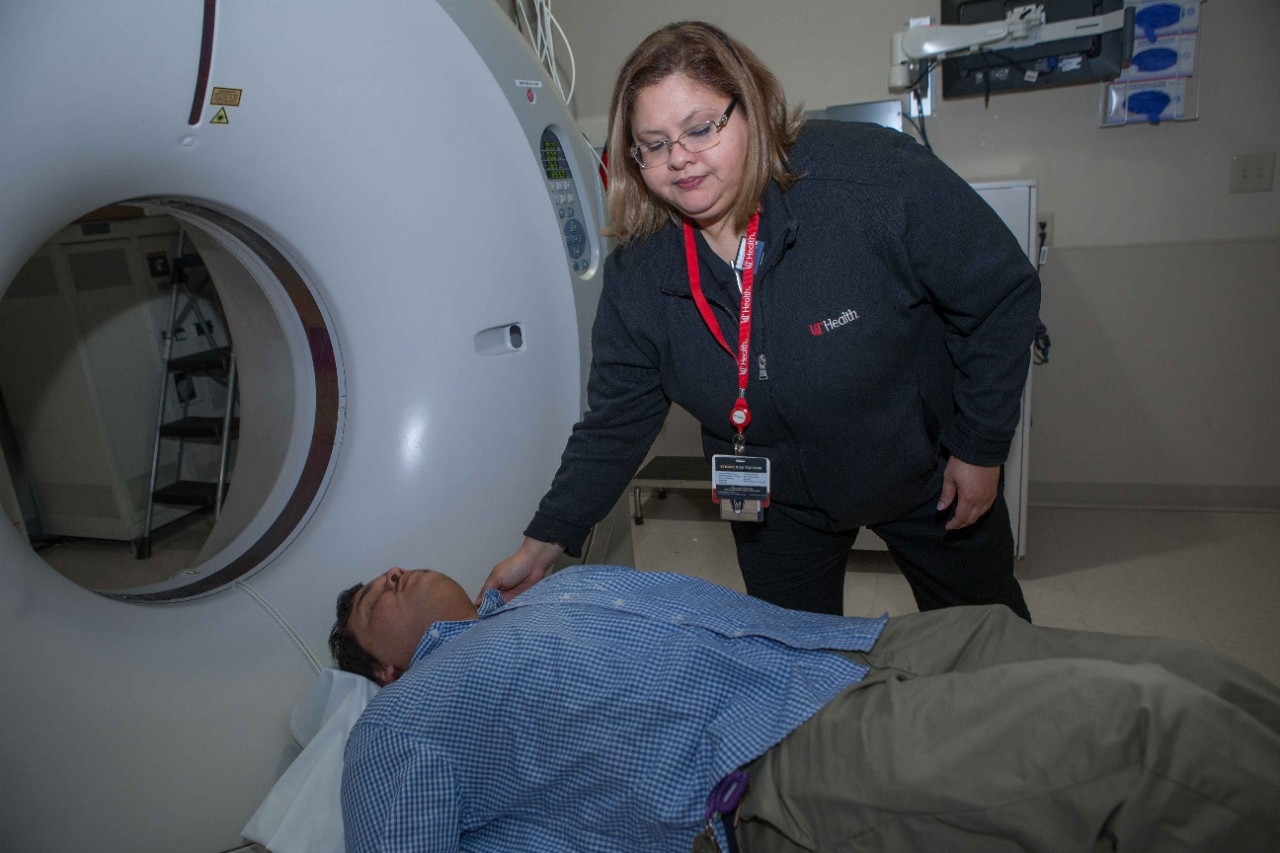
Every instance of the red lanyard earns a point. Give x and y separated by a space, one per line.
740 414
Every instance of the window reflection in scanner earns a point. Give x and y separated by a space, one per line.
84 329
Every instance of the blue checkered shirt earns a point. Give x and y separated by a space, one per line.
595 712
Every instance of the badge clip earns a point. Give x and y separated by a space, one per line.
737 509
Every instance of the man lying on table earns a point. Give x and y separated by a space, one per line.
607 709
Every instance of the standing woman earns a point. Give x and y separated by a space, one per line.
828 297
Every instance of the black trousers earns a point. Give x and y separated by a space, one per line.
793 565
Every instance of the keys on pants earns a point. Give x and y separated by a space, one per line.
705 841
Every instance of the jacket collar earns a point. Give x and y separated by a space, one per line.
778 228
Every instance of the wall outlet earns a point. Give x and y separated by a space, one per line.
1252 173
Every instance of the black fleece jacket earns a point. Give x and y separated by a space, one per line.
894 313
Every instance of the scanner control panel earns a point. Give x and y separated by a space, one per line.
567 202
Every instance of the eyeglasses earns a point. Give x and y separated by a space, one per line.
698 138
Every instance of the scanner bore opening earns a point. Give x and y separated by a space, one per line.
83 329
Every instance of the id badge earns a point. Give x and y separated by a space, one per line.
740 484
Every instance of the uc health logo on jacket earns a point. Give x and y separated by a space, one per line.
832 323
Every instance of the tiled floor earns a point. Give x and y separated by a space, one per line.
103 565
1209 577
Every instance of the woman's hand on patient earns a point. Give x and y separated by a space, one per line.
972 488
521 570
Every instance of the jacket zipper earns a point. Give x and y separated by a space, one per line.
763 375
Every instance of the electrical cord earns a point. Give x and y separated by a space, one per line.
283 623
1040 340
1005 59
1040 344
915 88
540 29
928 69
573 67
924 136
595 155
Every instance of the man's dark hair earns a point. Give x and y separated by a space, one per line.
349 654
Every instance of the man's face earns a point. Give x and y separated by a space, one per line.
392 612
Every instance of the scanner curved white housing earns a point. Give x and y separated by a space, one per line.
378 215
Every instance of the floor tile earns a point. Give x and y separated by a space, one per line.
860 594
893 596
1264 661
1207 577
1053 606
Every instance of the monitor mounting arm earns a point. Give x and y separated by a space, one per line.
1023 26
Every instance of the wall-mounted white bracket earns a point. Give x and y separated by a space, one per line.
923 106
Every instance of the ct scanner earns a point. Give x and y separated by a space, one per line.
401 220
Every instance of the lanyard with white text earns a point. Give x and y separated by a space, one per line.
740 415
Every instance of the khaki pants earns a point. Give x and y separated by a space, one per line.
977 732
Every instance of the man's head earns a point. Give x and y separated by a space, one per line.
380 623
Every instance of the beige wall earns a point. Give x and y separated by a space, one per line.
1162 291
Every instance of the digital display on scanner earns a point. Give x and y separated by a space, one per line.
554 163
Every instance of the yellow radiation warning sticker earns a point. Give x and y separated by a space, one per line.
225 97
220 117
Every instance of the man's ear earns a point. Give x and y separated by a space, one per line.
385 673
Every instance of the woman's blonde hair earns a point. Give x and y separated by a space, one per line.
709 56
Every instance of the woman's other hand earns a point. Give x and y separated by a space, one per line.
972 488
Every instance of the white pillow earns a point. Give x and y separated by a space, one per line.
302 813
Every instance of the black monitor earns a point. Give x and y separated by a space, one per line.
1062 63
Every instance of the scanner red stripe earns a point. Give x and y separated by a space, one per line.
206 59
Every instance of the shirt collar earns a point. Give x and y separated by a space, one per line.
442 632
491 603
